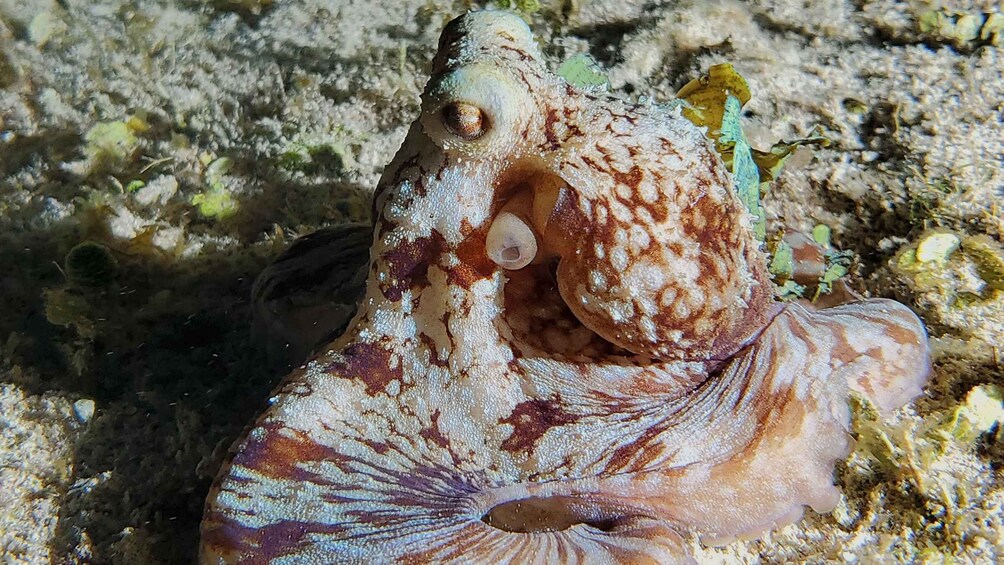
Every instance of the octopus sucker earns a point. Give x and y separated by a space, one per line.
566 350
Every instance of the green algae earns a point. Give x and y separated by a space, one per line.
744 169
217 204
838 266
111 144
874 437
216 201
782 262
582 71
715 101
833 265
962 29
821 234
336 154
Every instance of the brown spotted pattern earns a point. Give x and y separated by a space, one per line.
633 384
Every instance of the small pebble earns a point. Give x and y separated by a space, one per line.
83 409
937 247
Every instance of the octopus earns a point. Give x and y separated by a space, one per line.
567 349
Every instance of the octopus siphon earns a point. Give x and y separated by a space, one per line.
568 348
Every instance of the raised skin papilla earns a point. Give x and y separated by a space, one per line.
567 350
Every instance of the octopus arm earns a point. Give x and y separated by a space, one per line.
309 485
883 350
781 420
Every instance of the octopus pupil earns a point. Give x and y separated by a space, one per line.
466 121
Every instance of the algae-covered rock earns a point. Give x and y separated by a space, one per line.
981 413
963 29
959 279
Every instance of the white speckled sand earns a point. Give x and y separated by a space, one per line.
37 434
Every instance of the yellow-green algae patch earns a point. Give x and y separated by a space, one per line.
962 28
216 201
110 145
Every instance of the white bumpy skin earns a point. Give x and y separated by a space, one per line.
567 352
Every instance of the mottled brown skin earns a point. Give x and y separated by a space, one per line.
633 382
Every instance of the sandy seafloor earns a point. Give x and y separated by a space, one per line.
120 389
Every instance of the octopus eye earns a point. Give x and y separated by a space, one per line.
476 111
466 121
510 242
